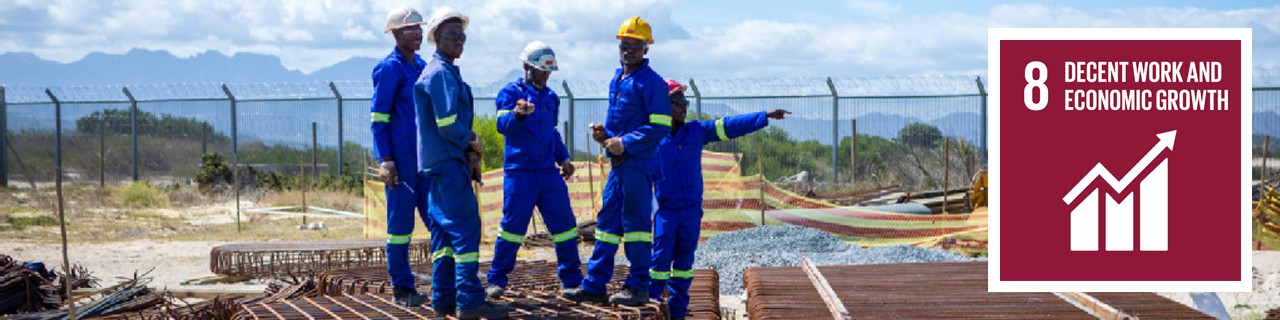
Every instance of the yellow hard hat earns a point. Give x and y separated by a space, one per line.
636 28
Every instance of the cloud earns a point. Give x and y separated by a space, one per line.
860 37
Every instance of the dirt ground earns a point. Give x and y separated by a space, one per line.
174 240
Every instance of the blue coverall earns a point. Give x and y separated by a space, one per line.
445 114
678 222
533 148
639 113
395 138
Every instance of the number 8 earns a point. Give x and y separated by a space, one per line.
1033 83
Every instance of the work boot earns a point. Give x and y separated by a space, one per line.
444 313
581 295
485 310
630 297
494 292
408 297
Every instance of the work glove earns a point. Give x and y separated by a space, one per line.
777 114
523 108
567 169
597 133
387 173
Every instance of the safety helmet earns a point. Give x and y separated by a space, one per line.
438 17
674 86
539 55
401 17
635 28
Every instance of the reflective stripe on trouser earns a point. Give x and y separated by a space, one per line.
675 239
522 191
454 283
411 193
627 210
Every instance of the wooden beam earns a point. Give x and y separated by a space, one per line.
829 296
1093 306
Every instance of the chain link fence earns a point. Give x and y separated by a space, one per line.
916 132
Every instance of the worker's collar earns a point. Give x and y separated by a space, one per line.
530 87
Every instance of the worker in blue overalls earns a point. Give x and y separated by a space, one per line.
639 116
395 139
449 153
678 222
527 115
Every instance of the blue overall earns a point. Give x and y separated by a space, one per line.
533 148
445 113
639 113
678 222
395 138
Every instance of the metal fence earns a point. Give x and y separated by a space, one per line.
112 134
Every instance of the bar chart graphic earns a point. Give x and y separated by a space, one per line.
1150 201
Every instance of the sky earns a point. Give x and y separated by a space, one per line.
721 39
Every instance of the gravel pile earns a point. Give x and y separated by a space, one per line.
731 253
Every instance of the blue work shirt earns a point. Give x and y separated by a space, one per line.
532 143
640 113
681 154
445 113
393 116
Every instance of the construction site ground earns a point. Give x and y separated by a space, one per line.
175 244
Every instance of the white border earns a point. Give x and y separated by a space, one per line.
995 35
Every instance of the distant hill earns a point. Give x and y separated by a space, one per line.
140 66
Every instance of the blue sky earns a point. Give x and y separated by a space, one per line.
749 38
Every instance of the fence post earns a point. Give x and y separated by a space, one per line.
568 130
235 170
338 95
62 217
133 130
315 149
853 151
697 101
102 149
982 91
835 131
4 136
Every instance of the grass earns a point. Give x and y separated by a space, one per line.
141 195
38 221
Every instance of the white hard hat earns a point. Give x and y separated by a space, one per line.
438 17
401 17
540 56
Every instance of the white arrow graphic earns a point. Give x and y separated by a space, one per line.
1098 171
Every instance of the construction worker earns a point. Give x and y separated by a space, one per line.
639 116
449 154
395 139
527 115
678 222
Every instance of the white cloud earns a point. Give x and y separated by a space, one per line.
881 38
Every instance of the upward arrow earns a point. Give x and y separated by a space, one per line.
1098 171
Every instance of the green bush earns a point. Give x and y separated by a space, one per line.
920 135
142 195
487 128
213 171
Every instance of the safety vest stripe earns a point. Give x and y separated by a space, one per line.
661 119
720 130
399 238
638 237
682 274
381 117
446 252
511 237
659 275
446 121
608 237
467 257
503 112
565 236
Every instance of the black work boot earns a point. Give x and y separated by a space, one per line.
581 295
494 292
485 310
630 297
408 297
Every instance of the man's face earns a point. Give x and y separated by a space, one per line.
631 51
450 38
536 77
409 38
679 107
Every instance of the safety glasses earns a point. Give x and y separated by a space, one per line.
411 30
631 46
453 36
